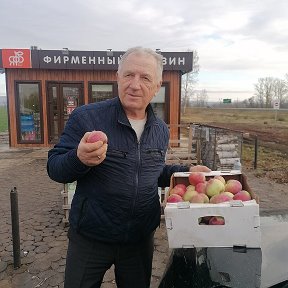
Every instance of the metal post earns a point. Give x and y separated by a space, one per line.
15 227
255 152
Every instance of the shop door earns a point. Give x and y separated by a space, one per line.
63 98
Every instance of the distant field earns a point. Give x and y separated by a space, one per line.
3 119
249 116
269 126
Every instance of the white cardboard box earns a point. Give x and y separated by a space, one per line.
242 220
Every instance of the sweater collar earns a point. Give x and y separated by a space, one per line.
151 118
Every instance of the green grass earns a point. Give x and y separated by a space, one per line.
249 116
3 119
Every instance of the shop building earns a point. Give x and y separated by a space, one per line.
44 86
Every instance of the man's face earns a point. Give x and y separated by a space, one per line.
138 82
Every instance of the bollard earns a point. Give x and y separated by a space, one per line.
15 227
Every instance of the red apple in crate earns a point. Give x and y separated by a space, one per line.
229 194
190 187
96 136
220 198
221 178
181 189
199 198
196 177
189 194
174 198
217 220
201 187
242 195
214 187
233 186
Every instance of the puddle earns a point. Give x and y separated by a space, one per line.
263 267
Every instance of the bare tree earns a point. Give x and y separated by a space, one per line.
202 98
265 91
280 91
188 82
271 89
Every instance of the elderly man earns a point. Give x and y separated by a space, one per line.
116 210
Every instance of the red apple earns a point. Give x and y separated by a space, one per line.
189 194
201 187
97 136
217 220
199 198
174 198
242 195
221 178
214 187
196 177
233 186
220 198
181 187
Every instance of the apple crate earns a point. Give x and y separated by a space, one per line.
242 220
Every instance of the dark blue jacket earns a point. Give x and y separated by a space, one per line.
116 201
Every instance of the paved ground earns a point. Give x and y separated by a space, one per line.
43 233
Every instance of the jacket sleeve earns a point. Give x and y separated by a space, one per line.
63 165
168 170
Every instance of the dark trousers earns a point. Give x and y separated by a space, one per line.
88 260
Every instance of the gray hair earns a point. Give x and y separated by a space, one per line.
141 50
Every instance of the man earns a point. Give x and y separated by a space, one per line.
116 209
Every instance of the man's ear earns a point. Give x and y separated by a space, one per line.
117 75
158 86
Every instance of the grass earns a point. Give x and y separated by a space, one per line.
255 116
269 125
3 119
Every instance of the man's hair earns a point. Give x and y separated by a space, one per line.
141 50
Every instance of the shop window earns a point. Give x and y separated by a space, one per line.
102 91
28 103
159 104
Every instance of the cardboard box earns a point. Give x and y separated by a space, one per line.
242 220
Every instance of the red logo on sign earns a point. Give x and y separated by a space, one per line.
16 58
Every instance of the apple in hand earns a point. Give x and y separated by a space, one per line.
96 136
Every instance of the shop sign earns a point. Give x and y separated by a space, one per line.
84 60
16 58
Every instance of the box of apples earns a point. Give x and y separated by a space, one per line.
212 209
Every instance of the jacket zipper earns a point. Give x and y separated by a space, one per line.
136 177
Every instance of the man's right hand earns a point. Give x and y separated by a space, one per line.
91 154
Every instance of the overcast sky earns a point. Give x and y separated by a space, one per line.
238 42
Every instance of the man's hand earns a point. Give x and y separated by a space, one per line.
91 154
199 168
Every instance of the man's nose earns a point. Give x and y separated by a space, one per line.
135 82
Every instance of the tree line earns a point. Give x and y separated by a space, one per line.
266 91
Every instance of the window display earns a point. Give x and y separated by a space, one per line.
28 110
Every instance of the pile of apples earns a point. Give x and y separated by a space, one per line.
215 190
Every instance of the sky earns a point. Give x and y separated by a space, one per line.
237 42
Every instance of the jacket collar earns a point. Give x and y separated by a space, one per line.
122 118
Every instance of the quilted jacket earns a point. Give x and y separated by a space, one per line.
116 201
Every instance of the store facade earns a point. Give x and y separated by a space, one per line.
43 87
